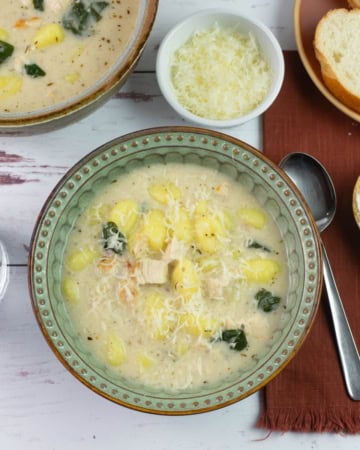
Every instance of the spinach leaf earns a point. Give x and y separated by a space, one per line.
114 240
34 71
38 4
80 16
6 50
96 9
266 300
76 18
256 245
236 339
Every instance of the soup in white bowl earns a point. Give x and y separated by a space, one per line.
52 50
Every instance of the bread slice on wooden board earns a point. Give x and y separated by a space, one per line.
354 3
337 48
356 202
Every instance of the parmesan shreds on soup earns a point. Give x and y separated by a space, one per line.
176 276
52 50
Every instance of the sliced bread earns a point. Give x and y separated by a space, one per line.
356 202
354 3
336 45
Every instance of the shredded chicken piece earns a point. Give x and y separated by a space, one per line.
140 246
214 287
152 271
127 290
174 251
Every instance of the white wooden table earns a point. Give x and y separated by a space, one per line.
42 406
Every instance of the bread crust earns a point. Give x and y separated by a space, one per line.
355 202
354 3
334 85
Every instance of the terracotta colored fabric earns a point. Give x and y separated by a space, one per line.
310 395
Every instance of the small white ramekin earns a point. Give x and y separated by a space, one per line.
177 37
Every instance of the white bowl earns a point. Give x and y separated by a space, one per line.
177 37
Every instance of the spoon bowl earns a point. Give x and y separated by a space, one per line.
315 184
313 181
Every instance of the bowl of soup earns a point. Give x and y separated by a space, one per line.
59 60
175 270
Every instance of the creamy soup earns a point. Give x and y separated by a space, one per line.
51 50
176 277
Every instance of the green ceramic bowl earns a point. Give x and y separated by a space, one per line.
163 145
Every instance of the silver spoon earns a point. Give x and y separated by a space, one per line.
4 270
318 190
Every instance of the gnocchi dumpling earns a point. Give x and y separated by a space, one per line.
164 193
81 258
115 350
3 34
208 230
182 225
10 85
49 34
261 270
253 217
198 325
125 214
70 290
185 278
155 229
145 362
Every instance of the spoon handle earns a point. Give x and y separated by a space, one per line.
349 355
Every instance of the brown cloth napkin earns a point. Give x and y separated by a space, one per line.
309 394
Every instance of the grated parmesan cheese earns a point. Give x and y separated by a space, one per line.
220 73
